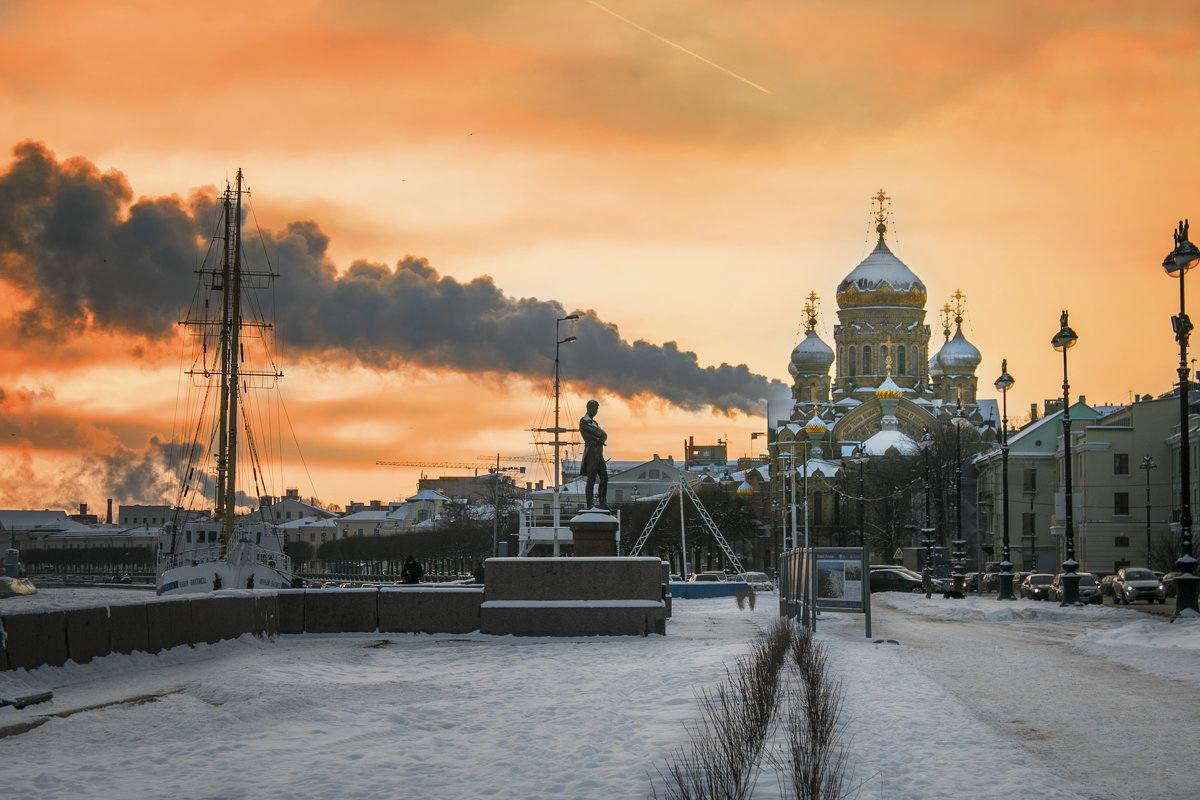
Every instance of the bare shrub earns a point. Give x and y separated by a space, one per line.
723 751
813 754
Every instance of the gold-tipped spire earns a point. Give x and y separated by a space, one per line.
811 304
882 208
959 306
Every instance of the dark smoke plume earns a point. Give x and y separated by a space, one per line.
89 257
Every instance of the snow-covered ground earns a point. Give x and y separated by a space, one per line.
976 698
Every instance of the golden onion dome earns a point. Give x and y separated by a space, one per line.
881 279
815 426
888 390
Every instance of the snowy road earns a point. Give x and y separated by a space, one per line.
1114 718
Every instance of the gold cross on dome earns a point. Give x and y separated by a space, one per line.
880 198
810 311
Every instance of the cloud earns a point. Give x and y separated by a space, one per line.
90 260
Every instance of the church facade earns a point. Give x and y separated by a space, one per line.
877 393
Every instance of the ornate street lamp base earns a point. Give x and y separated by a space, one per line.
1187 587
1070 585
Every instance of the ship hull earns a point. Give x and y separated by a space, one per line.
245 566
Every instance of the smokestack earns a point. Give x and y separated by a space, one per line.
1033 412
83 509
109 511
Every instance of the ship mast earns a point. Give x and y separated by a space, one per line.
231 325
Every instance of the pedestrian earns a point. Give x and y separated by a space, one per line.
477 575
927 581
412 571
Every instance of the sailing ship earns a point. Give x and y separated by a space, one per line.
209 547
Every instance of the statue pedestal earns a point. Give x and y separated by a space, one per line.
594 533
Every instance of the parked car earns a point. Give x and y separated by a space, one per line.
1089 588
707 576
1137 583
758 581
895 580
1036 586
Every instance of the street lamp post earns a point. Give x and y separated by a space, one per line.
558 430
1003 384
1147 465
1063 341
1185 256
959 543
860 458
927 531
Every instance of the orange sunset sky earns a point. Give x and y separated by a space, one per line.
686 171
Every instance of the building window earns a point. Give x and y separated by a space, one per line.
1028 521
1120 463
1121 504
1029 481
866 360
1121 541
850 363
900 361
817 507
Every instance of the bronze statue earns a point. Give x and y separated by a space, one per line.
593 466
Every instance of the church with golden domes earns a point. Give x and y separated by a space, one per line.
877 391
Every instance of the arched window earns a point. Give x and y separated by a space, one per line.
867 359
850 363
900 361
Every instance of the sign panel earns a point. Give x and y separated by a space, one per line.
839 578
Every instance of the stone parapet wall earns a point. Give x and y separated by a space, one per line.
602 596
51 638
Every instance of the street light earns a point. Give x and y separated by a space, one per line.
927 531
558 430
1063 341
859 457
1177 263
1003 384
1147 465
959 543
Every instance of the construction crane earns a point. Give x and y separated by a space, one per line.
437 464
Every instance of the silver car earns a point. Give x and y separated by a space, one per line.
1137 583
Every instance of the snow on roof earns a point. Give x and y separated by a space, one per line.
427 494
39 520
308 522
882 442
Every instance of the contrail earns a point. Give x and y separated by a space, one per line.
732 74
